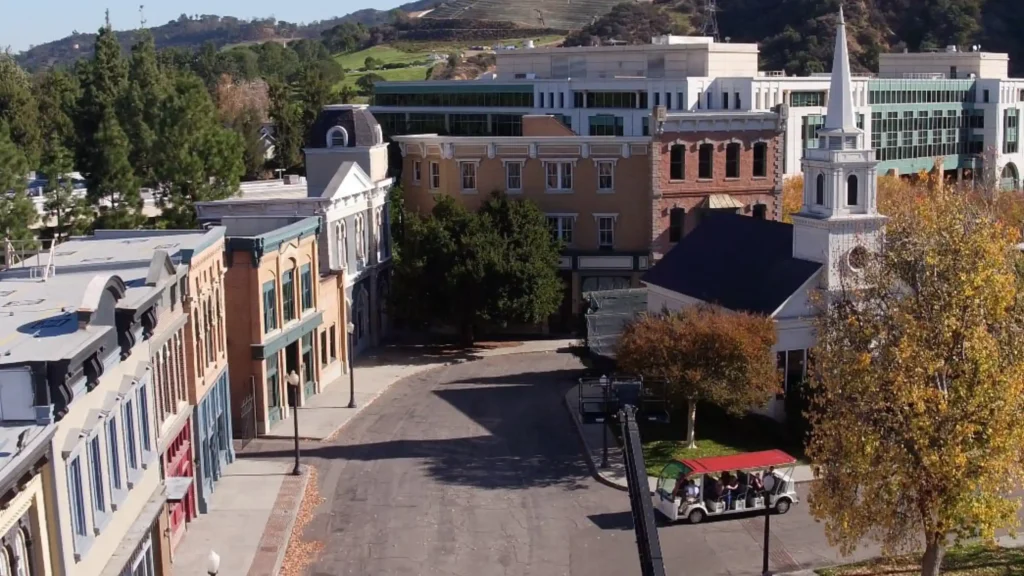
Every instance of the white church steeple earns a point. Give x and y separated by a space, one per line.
840 210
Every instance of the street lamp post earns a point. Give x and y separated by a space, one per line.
351 329
769 483
293 387
604 429
212 563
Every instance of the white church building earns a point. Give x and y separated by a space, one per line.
763 267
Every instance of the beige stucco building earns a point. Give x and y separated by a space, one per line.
594 190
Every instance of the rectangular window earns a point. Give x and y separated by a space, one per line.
416 171
77 496
561 228
677 162
288 295
736 101
435 176
605 175
725 100
606 125
676 219
269 306
605 232
668 100
558 176
985 96
113 455
144 418
798 99
129 437
334 346
760 159
657 98
706 162
306 273
468 172
96 475
323 348
514 176
732 160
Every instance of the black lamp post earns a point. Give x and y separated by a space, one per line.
769 484
293 387
604 428
351 329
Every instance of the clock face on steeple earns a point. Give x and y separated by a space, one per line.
857 258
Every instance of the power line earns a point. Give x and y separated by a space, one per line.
709 19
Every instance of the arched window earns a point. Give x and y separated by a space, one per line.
339 234
337 137
5 562
851 190
819 194
21 553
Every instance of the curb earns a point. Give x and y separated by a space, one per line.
595 470
256 569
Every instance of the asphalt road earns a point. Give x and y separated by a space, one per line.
475 469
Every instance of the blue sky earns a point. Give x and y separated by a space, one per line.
32 22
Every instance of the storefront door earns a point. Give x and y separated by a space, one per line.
308 366
273 392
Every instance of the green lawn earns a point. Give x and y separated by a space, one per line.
976 560
404 74
384 54
718 434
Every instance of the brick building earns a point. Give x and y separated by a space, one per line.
714 161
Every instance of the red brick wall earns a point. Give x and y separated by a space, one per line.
690 192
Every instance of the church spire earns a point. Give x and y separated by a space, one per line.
840 116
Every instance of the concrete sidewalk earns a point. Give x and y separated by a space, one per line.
615 474
325 414
249 524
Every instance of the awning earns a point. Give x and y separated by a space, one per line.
720 202
177 487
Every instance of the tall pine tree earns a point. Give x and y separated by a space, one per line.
288 131
140 105
70 213
17 212
58 93
198 160
113 187
103 82
18 109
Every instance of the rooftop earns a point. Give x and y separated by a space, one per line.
737 262
18 452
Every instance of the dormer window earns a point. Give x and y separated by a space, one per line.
337 137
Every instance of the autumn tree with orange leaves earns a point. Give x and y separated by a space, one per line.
917 403
705 354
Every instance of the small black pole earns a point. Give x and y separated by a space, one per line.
604 427
351 372
295 416
767 527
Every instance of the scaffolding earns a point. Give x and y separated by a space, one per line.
609 312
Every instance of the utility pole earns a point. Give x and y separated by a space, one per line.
709 19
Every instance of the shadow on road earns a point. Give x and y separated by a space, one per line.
613 520
531 442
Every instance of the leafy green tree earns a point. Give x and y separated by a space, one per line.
288 131
112 185
455 266
371 63
248 126
314 93
366 83
18 108
71 214
103 80
140 105
198 160
347 94
17 211
522 283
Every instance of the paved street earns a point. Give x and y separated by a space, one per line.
476 469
